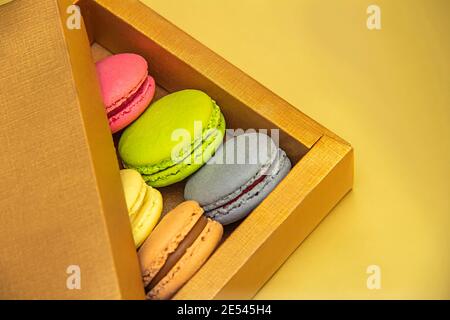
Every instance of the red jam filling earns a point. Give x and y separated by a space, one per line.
143 88
245 191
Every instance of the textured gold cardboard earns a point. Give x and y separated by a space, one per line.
61 200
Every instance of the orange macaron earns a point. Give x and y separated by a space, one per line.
176 249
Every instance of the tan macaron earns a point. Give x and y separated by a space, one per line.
177 248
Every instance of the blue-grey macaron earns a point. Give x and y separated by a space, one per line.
239 177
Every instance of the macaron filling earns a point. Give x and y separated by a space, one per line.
251 189
135 97
244 192
176 255
249 185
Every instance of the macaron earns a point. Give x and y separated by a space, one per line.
126 88
173 138
144 204
176 249
239 177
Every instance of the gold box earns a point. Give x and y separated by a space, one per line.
62 202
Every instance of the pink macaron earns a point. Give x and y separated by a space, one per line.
126 88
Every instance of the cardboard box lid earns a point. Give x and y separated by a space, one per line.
57 166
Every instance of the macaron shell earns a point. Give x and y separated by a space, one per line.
134 188
183 170
120 75
148 216
135 108
148 141
195 256
224 174
249 202
166 237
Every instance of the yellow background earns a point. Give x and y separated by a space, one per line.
388 93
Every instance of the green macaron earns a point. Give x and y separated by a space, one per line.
173 138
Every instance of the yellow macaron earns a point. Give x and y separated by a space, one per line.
144 204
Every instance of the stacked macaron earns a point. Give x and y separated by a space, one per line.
144 205
177 248
173 138
234 183
180 137
126 88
